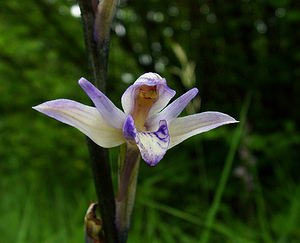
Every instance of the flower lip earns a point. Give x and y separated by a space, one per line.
152 145
162 133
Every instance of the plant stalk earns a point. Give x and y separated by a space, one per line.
128 174
97 47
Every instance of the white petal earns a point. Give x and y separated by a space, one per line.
110 113
165 94
172 110
127 99
185 127
85 118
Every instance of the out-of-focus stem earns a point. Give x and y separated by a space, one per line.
105 13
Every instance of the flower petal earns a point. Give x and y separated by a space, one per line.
85 118
152 145
110 113
185 127
165 94
172 110
129 129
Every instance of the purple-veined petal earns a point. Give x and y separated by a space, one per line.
188 126
85 118
172 110
129 129
110 113
165 94
152 145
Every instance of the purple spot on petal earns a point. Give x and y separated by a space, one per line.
129 130
162 133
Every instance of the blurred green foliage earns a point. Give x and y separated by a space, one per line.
228 50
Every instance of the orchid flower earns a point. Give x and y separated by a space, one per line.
147 121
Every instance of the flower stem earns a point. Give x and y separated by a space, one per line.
97 47
128 174
104 189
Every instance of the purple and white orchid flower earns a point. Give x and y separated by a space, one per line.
146 121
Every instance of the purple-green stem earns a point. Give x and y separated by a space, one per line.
128 174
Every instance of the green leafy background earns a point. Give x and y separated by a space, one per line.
244 58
